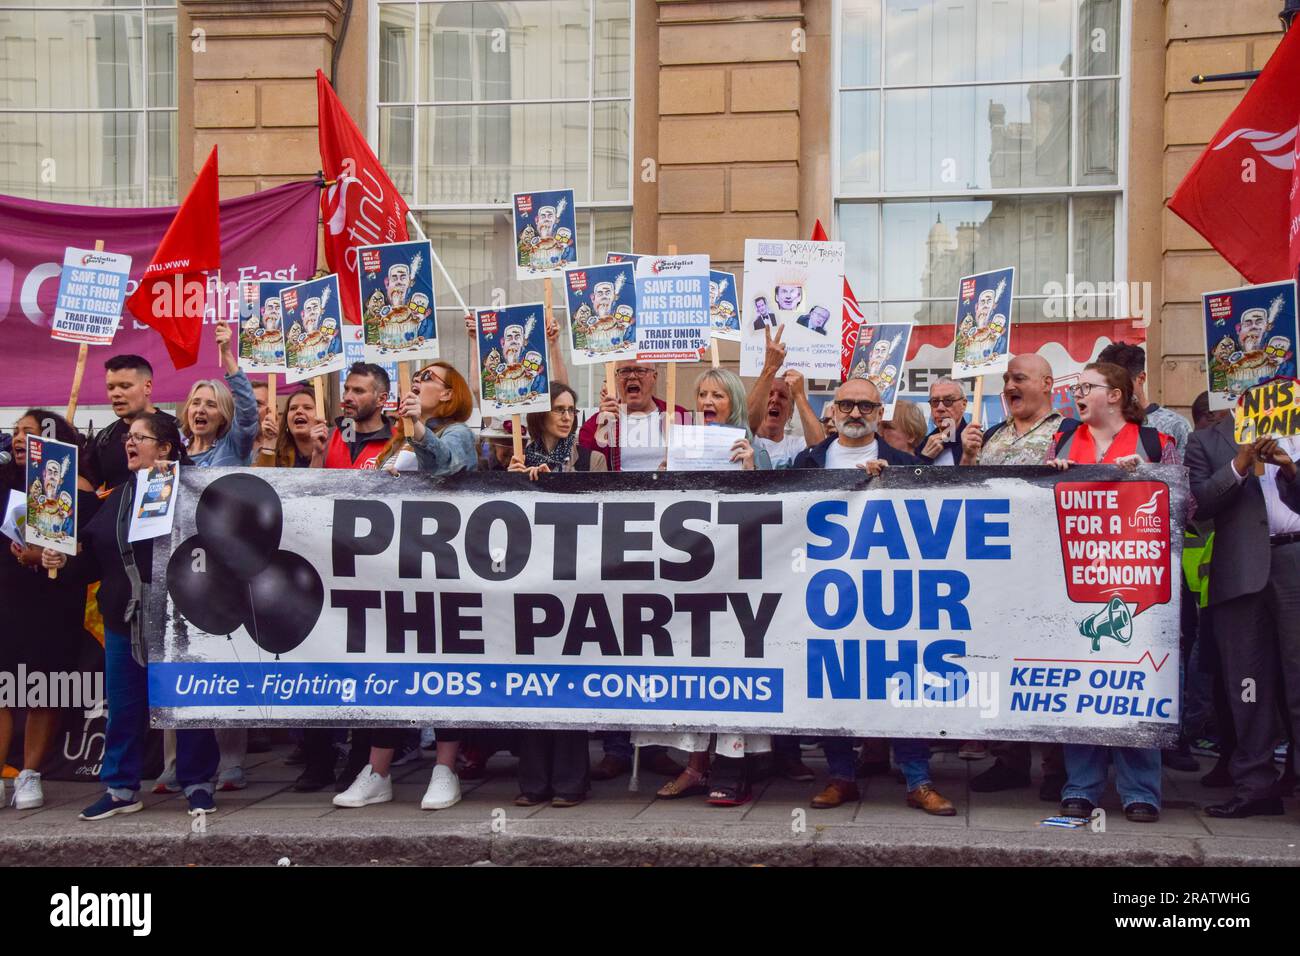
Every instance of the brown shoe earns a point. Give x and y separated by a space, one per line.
836 793
610 767
926 798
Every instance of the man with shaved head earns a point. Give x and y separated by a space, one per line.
1020 440
1023 438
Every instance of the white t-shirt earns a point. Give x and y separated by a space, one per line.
781 452
641 442
838 456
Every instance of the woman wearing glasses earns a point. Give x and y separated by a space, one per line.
554 765
124 572
1110 431
44 629
553 439
439 444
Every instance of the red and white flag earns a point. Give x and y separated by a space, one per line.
362 206
173 293
1240 194
852 313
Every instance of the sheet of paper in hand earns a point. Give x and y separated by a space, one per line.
703 448
155 500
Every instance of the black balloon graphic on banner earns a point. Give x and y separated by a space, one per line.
285 601
239 518
212 598
242 577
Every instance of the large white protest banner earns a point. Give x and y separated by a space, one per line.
820 602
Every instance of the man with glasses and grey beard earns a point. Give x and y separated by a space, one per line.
857 411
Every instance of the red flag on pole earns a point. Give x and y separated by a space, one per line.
173 292
852 313
361 207
1238 194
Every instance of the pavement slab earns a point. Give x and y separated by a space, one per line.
268 821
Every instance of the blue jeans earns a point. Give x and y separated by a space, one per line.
617 743
1137 773
911 755
128 724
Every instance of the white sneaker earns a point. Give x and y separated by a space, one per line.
368 788
444 789
28 794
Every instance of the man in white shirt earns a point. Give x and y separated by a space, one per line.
771 403
1253 600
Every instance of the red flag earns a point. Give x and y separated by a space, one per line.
362 207
173 292
1237 195
852 313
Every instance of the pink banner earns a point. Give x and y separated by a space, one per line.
268 235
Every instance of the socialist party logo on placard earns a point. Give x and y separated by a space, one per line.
1115 549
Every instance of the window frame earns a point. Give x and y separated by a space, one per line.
144 9
415 104
881 197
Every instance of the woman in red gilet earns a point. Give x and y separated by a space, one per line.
1110 431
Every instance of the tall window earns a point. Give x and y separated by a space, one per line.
976 134
477 99
88 101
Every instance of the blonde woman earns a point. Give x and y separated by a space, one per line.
719 400
220 419
906 429
219 422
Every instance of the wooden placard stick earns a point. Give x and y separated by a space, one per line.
517 435
978 402
403 389
318 387
80 372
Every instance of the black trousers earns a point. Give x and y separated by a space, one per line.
1258 637
554 762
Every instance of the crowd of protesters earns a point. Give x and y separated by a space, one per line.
1241 564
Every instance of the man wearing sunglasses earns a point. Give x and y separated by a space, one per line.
948 410
856 411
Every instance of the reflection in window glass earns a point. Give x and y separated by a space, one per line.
977 137
994 141
967 41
